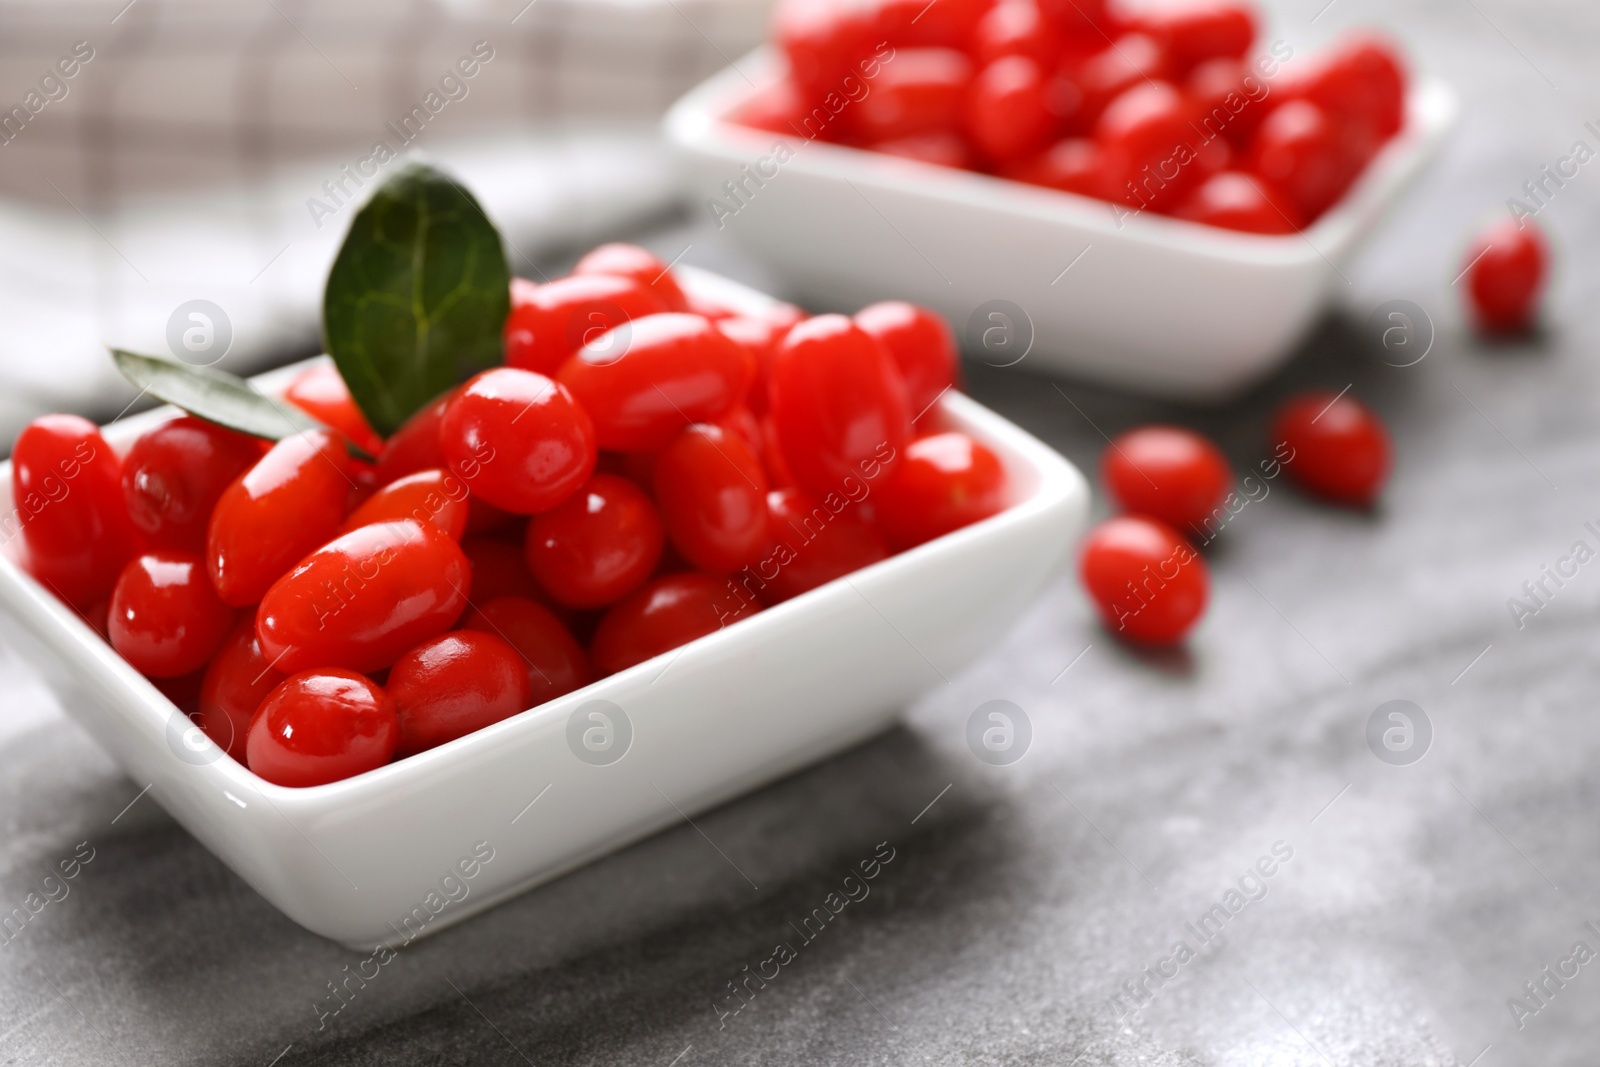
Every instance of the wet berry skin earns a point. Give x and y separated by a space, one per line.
639 264
1299 149
415 445
665 614
1149 584
555 663
548 323
174 474
519 440
838 406
321 393
760 337
1233 200
1008 111
289 503
453 684
946 481
598 546
66 486
365 598
434 496
1361 81
1167 473
812 543
322 726
1507 265
644 382
1339 449
712 492
165 618
237 681
921 344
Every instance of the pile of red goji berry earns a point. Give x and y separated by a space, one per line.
645 469
1168 109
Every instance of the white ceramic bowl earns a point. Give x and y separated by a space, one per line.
1154 304
381 858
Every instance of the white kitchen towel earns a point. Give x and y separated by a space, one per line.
159 152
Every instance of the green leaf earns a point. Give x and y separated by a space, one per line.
217 396
213 395
418 298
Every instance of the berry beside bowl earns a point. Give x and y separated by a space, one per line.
347 768
1004 168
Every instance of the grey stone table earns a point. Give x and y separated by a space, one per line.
1406 905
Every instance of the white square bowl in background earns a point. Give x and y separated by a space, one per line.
1147 303
363 861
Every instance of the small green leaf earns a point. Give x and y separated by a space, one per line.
418 297
217 396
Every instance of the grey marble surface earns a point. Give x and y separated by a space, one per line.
1416 901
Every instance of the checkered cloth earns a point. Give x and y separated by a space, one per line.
162 151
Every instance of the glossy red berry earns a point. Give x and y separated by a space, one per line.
760 337
1361 81
1337 448
165 618
289 503
238 679
555 663
1145 138
1299 150
665 614
912 23
321 393
1194 32
453 684
1230 99
921 344
645 382
66 487
598 546
1014 28
1148 583
548 323
946 481
1074 165
1085 19
922 91
363 599
322 726
1009 113
519 440
742 423
1234 200
838 406
1506 268
822 40
174 474
712 491
434 496
1167 473
812 543
637 264
772 456
415 445
1131 60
